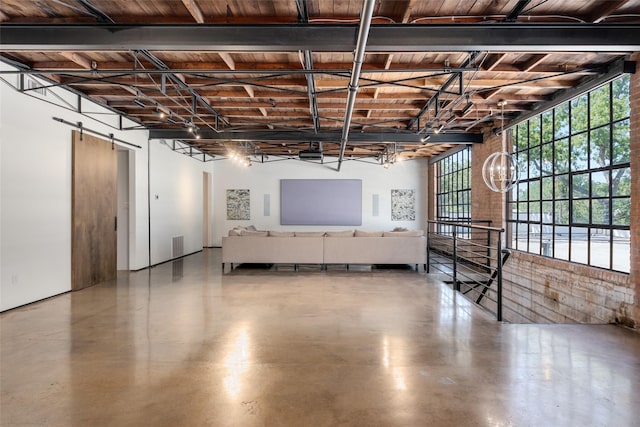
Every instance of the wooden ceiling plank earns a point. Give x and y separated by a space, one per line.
602 11
194 10
228 60
78 59
533 62
494 61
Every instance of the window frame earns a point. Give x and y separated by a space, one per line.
583 169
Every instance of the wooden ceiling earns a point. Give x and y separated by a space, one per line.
272 76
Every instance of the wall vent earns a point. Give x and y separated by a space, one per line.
177 247
36 87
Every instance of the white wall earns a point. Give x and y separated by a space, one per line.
35 197
176 200
123 210
265 178
35 223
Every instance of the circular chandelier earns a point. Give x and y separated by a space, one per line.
499 171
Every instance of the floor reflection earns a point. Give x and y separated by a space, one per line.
236 361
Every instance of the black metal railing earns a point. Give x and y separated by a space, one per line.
471 256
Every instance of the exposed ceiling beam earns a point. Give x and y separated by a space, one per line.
534 61
228 60
78 59
323 135
307 64
613 71
601 11
358 58
194 10
516 11
323 38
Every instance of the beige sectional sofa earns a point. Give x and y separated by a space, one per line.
342 247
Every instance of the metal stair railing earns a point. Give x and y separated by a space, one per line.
471 257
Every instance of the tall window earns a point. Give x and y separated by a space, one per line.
453 183
573 198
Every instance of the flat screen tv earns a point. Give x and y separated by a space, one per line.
321 202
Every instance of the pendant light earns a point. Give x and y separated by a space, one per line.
500 171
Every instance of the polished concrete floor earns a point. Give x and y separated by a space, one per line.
183 345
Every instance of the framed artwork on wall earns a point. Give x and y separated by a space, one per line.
403 205
238 205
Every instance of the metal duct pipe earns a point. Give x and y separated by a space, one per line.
363 35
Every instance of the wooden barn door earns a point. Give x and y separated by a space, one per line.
94 211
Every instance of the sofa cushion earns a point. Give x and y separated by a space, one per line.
363 233
309 233
235 232
254 233
251 228
407 233
281 233
343 233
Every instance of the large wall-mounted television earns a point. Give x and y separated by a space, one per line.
321 202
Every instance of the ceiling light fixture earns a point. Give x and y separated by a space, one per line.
500 171
159 113
466 108
139 103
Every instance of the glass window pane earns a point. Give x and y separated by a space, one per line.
621 98
600 184
621 211
621 182
547 212
534 190
621 146
547 188
579 114
514 235
534 240
534 162
561 160
579 151
546 165
600 248
562 121
534 132
523 214
600 211
534 213
561 243
547 126
522 134
522 163
580 214
621 251
562 212
599 106
580 186
523 191
579 240
562 186
600 150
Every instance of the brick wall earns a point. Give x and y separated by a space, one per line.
541 289
635 189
